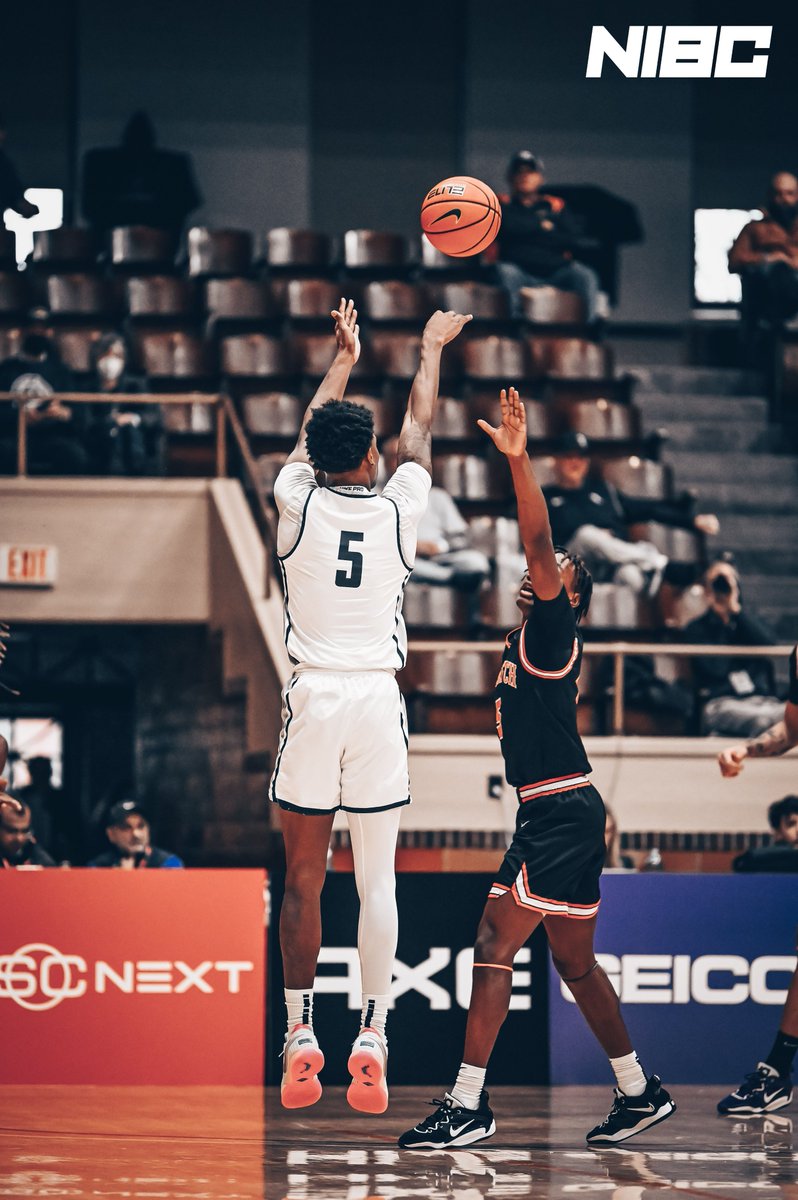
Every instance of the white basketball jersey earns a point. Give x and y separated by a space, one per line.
346 555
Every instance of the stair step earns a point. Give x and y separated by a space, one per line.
692 466
727 497
713 436
755 532
678 406
751 560
694 380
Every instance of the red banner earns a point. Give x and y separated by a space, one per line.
153 977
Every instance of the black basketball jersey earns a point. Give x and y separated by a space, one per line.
536 695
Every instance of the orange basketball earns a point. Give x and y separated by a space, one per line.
461 216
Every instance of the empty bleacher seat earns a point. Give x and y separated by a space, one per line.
539 416
254 355
453 420
231 301
269 467
10 341
15 296
484 301
311 300
602 420
432 607
75 347
499 358
156 296
291 249
552 306
137 248
639 477
370 249
312 353
452 673
78 295
467 477
496 537
393 300
497 607
176 358
398 353
385 422
616 607
64 249
570 357
219 251
273 413
437 265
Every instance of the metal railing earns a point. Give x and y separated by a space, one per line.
225 418
618 652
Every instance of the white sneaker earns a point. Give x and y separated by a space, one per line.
302 1061
368 1064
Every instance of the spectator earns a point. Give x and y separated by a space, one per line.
589 517
55 443
128 831
18 846
765 255
443 554
615 861
124 439
50 810
537 239
782 854
137 184
12 190
739 691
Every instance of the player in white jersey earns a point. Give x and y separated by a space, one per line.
346 555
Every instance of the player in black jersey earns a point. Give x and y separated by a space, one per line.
551 870
769 1086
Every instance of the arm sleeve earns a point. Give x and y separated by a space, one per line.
549 646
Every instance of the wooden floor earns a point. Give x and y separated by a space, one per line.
236 1143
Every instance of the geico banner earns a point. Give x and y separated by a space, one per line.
132 977
701 963
438 918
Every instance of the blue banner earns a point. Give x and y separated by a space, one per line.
701 963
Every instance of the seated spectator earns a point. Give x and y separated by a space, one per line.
782 855
128 831
123 438
537 239
18 846
443 555
12 190
55 430
589 517
137 184
765 256
614 861
739 691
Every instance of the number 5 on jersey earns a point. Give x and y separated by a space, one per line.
352 574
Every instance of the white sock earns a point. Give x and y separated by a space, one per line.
629 1073
299 1004
374 1013
468 1086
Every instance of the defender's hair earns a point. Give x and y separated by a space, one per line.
338 436
583 580
781 809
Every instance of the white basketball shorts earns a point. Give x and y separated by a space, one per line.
343 743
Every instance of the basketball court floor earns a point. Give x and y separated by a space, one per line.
236 1143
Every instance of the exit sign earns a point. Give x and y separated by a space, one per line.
28 566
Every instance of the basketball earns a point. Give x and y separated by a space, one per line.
461 216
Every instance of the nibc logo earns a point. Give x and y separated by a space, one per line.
707 979
682 52
448 189
39 977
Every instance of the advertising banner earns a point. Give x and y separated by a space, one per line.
140 977
702 964
438 919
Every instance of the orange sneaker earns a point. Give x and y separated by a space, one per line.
302 1061
368 1062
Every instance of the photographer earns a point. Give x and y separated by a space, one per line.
739 693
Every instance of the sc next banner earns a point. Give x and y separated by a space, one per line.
702 964
438 918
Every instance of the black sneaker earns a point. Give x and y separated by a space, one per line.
632 1114
760 1092
450 1125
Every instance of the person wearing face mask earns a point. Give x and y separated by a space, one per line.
128 831
765 255
123 437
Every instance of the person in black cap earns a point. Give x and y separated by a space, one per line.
537 239
128 831
590 517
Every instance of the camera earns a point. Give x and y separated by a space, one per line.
721 586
